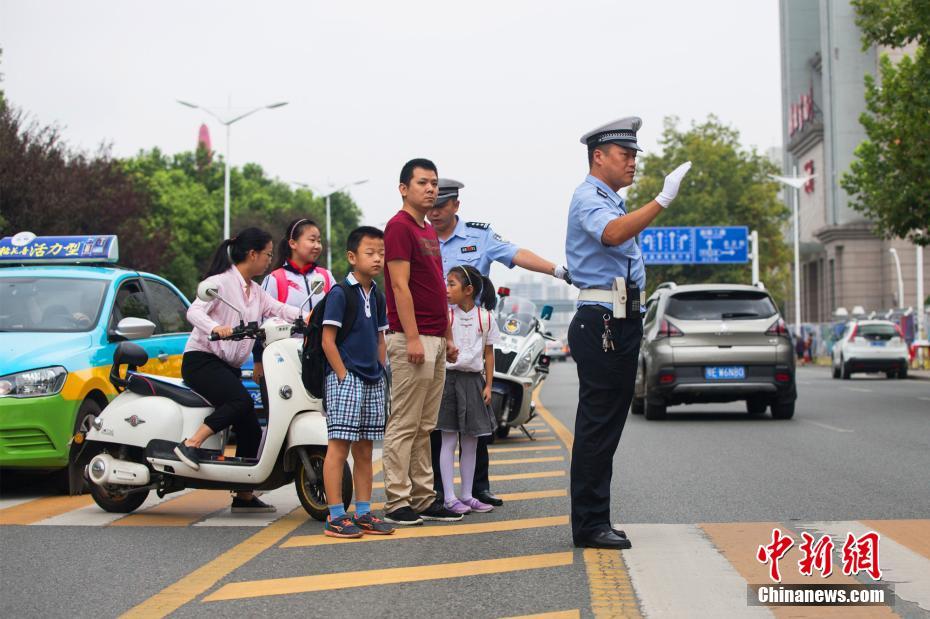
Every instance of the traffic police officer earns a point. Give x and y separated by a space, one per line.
607 265
476 244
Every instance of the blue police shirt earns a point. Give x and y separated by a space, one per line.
359 350
591 263
475 244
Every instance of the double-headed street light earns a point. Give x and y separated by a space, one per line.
796 182
329 226
228 123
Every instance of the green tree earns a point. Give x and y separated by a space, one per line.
727 186
888 181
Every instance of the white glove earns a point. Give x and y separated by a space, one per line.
672 182
561 272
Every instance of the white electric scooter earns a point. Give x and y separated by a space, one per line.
129 446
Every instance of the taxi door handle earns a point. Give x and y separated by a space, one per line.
163 357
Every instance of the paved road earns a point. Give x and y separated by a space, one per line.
697 493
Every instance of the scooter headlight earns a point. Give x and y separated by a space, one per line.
523 365
33 383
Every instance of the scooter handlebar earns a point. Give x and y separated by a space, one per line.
241 332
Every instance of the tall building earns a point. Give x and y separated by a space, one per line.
843 262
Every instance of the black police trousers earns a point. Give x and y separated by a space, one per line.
481 484
605 390
221 384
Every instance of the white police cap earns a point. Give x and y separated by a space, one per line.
622 132
448 189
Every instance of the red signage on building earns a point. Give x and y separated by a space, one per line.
809 169
801 113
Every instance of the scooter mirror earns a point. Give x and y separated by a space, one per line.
316 285
546 312
207 291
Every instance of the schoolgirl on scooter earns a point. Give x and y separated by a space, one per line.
296 259
212 368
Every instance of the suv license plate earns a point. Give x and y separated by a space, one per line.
877 343
727 372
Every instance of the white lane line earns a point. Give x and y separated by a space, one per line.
900 565
94 516
4 503
675 570
284 498
859 389
924 399
827 426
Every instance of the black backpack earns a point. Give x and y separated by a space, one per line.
313 360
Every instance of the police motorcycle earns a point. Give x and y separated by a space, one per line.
520 362
129 446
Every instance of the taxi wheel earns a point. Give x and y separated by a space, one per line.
313 495
73 476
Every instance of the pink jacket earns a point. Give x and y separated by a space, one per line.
207 316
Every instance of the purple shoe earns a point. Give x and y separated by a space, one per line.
477 506
457 507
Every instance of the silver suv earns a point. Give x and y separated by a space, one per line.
714 343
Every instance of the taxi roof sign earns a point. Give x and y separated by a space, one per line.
27 248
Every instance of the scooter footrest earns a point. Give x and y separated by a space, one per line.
164 450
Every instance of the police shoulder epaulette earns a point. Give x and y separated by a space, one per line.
477 224
601 192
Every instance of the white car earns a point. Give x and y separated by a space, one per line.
870 346
556 350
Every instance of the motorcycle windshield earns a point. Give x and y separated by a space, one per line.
516 316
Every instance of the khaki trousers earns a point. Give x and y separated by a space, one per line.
416 391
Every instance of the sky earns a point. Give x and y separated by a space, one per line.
497 94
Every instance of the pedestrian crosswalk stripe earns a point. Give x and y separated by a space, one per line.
609 584
40 509
180 512
915 534
909 571
674 569
93 516
283 498
524 461
509 477
738 542
494 526
390 576
512 496
499 450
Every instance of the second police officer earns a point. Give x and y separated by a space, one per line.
607 265
476 244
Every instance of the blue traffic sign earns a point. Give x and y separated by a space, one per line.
695 245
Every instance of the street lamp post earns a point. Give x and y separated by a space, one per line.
897 263
228 123
329 224
796 182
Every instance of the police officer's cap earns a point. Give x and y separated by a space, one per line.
448 190
621 132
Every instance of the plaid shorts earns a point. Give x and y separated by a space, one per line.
354 408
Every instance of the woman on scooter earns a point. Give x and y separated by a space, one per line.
296 257
212 368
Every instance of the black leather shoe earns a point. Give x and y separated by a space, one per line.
490 498
605 538
619 532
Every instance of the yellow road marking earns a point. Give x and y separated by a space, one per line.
40 509
188 588
563 433
500 450
611 591
510 477
390 576
523 439
914 534
180 512
561 614
183 591
524 461
302 541
514 496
